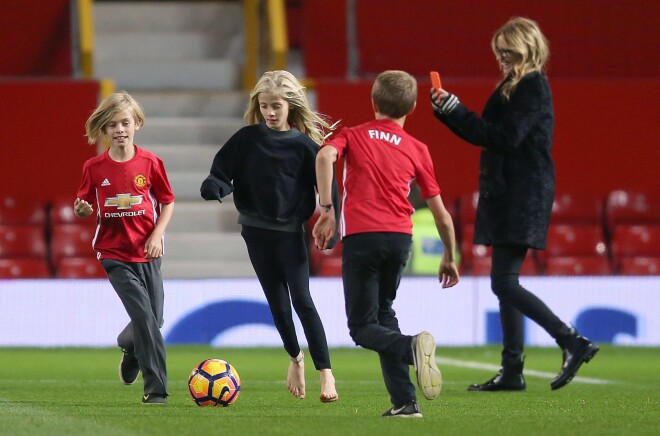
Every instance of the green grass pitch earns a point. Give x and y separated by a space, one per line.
73 391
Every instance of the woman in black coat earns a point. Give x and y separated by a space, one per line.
516 189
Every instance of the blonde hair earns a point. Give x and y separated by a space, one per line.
394 92
108 108
285 84
528 44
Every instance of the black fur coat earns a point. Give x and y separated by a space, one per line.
517 174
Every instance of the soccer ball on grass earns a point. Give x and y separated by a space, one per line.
214 382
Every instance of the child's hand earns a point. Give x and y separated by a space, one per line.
448 274
153 249
81 208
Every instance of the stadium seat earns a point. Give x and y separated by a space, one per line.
573 240
24 269
635 241
61 212
22 241
481 266
330 267
574 209
640 266
630 208
22 211
578 266
467 209
80 268
470 252
71 240
318 257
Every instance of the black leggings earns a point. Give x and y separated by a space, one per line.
280 262
517 302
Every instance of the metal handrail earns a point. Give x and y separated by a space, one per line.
273 29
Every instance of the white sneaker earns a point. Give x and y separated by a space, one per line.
429 378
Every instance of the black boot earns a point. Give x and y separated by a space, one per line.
508 378
576 350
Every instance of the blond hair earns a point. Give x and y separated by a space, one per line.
301 116
528 44
108 108
394 92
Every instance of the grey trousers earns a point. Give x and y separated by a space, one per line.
140 289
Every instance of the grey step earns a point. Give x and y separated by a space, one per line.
158 45
151 16
205 246
217 74
203 216
191 103
206 269
188 158
207 130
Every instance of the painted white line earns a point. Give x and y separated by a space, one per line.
529 372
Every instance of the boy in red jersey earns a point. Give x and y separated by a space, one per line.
381 160
134 204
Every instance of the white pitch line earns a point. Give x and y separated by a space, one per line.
531 372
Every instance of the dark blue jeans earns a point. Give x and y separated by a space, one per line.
372 265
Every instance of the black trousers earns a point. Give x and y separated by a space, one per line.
282 267
372 265
139 286
517 302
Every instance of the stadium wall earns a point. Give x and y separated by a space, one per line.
42 136
234 312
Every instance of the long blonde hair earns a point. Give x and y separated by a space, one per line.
528 45
108 108
285 84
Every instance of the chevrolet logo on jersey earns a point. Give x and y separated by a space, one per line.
124 201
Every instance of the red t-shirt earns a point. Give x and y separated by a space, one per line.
381 160
127 197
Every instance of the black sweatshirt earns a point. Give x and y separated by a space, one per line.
272 174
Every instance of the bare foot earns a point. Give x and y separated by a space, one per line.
295 378
328 391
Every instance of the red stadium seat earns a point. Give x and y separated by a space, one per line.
631 208
640 266
576 209
470 252
467 209
80 268
71 240
25 241
573 240
578 266
22 211
330 267
318 257
24 269
481 266
635 241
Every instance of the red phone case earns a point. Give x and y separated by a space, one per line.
435 80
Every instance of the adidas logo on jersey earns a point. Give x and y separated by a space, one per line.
106 182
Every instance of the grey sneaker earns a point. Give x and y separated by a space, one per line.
128 368
154 399
429 378
408 410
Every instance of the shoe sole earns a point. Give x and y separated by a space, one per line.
429 378
591 352
410 415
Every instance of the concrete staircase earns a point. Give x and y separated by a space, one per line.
181 61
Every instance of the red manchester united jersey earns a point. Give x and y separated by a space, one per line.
381 160
127 197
